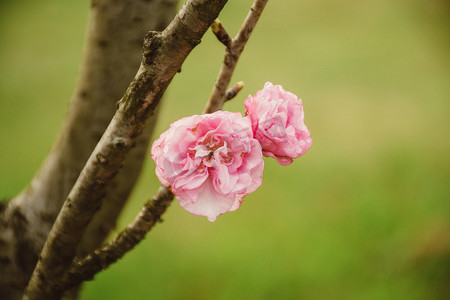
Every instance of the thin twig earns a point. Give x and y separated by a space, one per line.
150 214
232 54
164 52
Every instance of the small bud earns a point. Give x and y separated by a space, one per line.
232 92
220 32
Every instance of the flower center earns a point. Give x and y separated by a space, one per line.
212 150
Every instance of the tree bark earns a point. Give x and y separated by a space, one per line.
164 53
112 55
85 268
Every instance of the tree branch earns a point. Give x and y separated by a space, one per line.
161 12
86 268
112 54
232 54
164 53
150 214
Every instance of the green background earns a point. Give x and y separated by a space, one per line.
363 215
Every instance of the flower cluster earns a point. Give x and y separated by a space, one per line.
211 161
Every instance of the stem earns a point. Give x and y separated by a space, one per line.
232 54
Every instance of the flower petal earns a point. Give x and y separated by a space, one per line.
209 203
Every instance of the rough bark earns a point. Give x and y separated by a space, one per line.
84 268
147 15
163 55
112 54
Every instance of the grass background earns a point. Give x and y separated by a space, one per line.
363 215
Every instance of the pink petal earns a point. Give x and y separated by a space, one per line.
209 203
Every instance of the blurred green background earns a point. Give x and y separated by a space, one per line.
363 215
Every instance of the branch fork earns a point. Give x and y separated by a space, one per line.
161 62
233 51
58 269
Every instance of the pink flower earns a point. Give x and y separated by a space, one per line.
210 162
278 123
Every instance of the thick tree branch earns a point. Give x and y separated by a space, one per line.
164 53
232 54
112 54
220 32
160 12
117 194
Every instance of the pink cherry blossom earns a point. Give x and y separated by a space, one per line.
210 162
278 123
